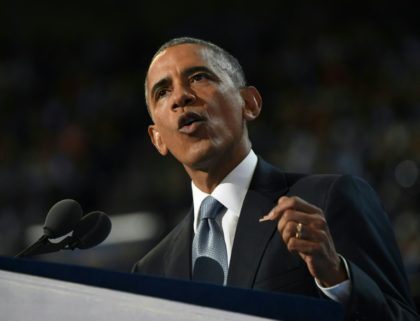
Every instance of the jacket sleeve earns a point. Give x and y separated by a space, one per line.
363 234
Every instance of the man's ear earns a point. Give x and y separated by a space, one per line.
157 140
253 102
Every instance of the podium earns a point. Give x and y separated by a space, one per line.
33 290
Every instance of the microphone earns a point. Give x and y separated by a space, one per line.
60 220
88 231
92 230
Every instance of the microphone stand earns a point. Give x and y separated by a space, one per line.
43 245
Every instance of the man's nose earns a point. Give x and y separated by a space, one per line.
183 96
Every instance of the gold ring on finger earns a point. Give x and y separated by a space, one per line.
298 234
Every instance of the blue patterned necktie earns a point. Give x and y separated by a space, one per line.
209 257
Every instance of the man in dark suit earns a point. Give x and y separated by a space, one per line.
316 235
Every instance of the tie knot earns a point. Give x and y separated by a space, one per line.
210 208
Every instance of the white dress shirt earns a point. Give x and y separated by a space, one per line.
231 193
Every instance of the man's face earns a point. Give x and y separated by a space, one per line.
197 111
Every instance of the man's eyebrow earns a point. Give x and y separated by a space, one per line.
192 70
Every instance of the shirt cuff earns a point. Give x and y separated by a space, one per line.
341 291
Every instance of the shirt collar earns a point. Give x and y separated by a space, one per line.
233 188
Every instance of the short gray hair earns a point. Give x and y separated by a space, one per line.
226 61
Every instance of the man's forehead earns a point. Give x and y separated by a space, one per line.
179 56
177 53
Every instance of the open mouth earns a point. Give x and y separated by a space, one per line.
188 119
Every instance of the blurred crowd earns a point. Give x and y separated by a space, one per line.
340 95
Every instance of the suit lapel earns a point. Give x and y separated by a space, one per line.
178 262
252 237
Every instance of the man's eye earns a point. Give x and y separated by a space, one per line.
198 77
161 93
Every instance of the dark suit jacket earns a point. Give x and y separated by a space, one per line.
359 227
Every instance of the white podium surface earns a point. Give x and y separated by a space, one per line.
27 297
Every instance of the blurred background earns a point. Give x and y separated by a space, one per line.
341 90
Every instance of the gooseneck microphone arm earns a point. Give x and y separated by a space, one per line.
42 246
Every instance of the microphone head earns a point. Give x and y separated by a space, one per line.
62 218
92 229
